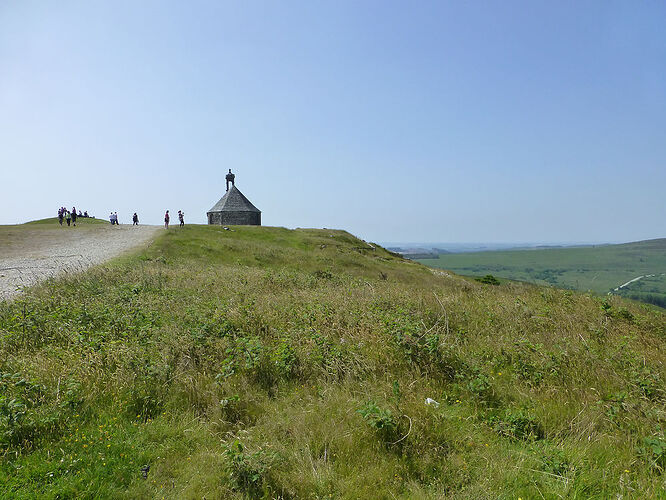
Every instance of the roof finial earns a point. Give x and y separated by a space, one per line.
230 178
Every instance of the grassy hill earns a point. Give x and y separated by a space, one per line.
53 222
264 362
600 269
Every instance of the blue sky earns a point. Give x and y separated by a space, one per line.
398 121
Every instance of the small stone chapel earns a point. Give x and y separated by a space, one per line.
234 208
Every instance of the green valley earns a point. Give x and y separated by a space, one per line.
601 269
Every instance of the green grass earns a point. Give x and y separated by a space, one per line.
53 222
269 363
600 269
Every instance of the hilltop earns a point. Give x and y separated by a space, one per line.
266 362
639 266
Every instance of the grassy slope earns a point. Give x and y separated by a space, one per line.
53 221
235 364
600 269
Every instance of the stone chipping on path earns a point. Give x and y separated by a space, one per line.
31 256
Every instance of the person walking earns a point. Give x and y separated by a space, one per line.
74 216
68 217
181 218
61 215
115 217
111 218
135 219
166 220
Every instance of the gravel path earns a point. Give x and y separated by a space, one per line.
28 255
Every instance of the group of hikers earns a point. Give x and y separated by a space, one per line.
167 218
70 217
113 218
135 219
65 215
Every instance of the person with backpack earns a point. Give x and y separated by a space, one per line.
74 216
68 217
181 218
166 220
135 219
61 215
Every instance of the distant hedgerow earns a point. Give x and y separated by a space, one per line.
488 279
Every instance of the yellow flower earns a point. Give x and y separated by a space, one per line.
500 373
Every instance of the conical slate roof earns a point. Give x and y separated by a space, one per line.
234 201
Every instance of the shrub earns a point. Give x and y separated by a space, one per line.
555 462
654 453
479 385
488 279
517 424
421 346
381 420
284 358
247 470
648 381
625 314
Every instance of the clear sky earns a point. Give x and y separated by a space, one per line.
398 121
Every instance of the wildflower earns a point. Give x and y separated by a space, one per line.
500 373
627 470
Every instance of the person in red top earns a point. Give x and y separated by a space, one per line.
166 220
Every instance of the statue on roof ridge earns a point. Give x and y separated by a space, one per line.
230 178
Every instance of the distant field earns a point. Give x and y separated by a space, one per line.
600 269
